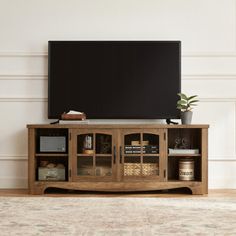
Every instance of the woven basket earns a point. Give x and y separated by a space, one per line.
150 169
134 169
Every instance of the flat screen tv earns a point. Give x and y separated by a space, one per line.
114 79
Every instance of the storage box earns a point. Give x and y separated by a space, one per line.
56 174
52 144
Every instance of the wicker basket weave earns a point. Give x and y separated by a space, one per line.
134 169
150 169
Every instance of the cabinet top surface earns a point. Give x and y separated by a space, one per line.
116 126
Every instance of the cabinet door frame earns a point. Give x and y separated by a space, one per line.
73 154
162 153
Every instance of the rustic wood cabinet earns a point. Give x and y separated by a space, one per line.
116 158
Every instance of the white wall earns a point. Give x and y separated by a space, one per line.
205 27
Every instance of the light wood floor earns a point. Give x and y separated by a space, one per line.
212 193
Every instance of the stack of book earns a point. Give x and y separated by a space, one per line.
73 117
148 149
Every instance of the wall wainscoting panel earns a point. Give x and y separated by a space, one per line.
14 182
209 65
23 88
222 174
221 117
13 136
16 65
219 88
13 174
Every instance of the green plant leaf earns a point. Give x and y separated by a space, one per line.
182 96
191 97
194 101
182 102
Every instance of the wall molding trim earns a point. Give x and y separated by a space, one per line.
209 77
209 54
22 77
222 159
13 157
184 54
10 99
217 99
30 99
23 54
184 76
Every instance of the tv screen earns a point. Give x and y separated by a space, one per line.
114 79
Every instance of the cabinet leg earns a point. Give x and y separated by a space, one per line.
196 190
37 191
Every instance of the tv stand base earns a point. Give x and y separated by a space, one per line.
195 186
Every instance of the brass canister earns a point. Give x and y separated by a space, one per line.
186 169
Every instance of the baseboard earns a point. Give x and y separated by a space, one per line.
13 183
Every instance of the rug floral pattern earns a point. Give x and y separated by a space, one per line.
117 216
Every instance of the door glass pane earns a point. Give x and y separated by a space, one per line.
85 144
132 166
150 143
150 166
132 144
85 165
103 166
94 154
103 143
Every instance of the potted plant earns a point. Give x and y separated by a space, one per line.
185 105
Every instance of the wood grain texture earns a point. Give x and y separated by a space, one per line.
117 126
124 186
31 158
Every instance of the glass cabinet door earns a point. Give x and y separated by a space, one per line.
94 154
140 154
